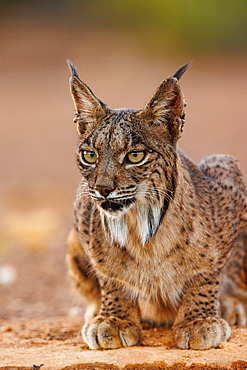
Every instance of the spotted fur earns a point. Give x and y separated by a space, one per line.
151 240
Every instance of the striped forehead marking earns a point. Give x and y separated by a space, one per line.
116 132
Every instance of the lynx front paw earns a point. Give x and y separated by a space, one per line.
201 333
110 332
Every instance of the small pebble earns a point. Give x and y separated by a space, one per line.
74 312
8 275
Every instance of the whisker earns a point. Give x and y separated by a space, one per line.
148 190
81 194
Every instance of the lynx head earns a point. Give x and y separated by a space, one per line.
128 156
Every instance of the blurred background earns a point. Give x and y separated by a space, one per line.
123 50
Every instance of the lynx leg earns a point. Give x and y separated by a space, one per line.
118 324
82 274
232 310
233 292
233 299
197 324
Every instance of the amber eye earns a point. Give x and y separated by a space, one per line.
135 157
89 156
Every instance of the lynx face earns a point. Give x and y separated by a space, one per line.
121 166
128 157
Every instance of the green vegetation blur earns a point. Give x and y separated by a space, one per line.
201 26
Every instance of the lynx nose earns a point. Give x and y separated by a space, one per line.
103 190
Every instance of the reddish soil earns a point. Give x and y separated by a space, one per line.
57 344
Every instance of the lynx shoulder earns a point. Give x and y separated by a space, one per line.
153 232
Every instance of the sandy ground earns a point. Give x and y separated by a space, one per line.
57 344
39 175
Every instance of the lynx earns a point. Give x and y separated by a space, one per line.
156 237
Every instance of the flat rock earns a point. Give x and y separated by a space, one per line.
56 343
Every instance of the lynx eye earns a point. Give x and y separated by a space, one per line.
89 156
135 157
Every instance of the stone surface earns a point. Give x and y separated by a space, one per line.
56 343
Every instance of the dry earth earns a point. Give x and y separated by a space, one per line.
57 344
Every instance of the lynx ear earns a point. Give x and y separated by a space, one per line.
88 107
166 107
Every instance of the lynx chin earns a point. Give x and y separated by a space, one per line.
156 237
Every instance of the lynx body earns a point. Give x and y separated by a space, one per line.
153 232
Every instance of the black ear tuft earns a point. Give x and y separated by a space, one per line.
181 71
73 69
